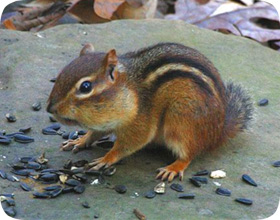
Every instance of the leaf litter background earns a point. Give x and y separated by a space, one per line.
248 18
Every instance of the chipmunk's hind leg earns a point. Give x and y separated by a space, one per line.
178 137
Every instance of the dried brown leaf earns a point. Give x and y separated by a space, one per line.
193 11
243 21
105 9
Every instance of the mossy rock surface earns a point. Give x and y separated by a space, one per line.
28 61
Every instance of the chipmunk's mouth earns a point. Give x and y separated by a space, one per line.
66 121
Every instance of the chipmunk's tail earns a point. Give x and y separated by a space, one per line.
239 110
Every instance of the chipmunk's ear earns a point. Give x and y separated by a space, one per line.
111 62
88 48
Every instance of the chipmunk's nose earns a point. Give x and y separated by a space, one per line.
51 108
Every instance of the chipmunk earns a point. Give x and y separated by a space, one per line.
167 94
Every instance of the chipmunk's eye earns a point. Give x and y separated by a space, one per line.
86 87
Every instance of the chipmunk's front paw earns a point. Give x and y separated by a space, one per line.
74 145
103 162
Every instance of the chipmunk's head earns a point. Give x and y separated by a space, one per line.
92 91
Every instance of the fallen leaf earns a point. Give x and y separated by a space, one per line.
242 22
106 9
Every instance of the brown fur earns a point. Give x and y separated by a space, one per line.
167 94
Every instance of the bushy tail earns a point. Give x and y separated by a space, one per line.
239 109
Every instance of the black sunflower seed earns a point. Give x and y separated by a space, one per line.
12 135
82 132
150 194
49 131
5 140
3 174
110 171
79 189
11 178
69 172
186 196
18 166
42 195
249 180
73 135
36 106
80 163
8 195
26 159
10 211
177 187
52 188
65 135
81 177
25 130
201 173
120 189
203 180
48 177
33 165
68 164
50 170
10 202
276 164
10 117
85 205
244 201
55 193
67 189
72 182
223 191
93 172
78 170
55 126
53 79
195 182
22 172
263 102
23 138
25 186
52 119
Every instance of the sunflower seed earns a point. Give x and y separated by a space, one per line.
3 175
68 164
160 188
55 126
49 177
249 180
79 189
49 131
5 140
244 201
42 195
10 202
26 159
80 163
177 187
223 191
263 102
72 182
276 164
36 106
200 179
52 188
23 138
68 189
218 174
82 132
73 135
150 194
49 171
10 211
53 79
85 205
8 195
33 165
10 117
23 172
186 196
201 173
25 187
55 192
80 177
11 178
195 182
65 135
12 135
110 171
120 189
25 130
